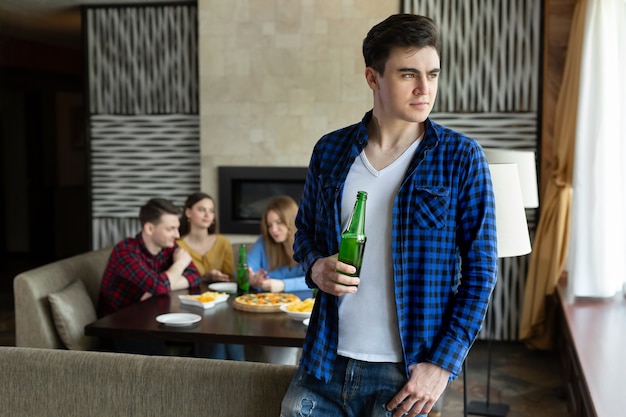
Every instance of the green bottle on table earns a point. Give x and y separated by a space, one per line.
243 279
353 238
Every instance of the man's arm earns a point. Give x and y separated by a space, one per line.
477 242
321 271
133 268
182 274
175 272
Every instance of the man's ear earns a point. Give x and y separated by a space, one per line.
148 228
371 76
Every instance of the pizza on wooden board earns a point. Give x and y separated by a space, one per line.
264 302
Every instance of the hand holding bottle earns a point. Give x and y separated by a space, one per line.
332 276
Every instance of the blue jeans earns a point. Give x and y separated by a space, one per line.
356 389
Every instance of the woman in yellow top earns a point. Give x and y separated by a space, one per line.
211 252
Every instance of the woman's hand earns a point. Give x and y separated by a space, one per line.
215 275
258 278
273 285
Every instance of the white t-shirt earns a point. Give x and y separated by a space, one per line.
368 323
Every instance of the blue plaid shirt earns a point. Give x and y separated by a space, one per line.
443 244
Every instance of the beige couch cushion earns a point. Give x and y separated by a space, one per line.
72 310
34 326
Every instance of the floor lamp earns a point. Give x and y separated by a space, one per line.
513 240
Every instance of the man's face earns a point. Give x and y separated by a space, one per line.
164 234
408 89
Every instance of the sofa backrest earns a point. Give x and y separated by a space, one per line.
34 326
45 382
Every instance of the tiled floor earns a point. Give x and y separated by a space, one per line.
528 381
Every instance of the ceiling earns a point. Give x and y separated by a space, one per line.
29 6
50 21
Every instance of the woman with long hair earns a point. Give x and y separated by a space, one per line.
212 254
272 267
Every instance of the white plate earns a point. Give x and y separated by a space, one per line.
306 322
190 301
178 319
296 315
227 287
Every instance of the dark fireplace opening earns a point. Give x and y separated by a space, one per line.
245 191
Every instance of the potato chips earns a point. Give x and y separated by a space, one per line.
304 306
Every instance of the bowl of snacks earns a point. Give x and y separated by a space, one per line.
299 310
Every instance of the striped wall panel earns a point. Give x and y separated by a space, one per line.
142 60
107 231
494 130
135 158
143 110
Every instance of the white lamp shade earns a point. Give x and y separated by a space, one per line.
512 228
527 166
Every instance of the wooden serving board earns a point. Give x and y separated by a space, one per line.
263 308
256 309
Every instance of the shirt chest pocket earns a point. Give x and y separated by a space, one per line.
430 207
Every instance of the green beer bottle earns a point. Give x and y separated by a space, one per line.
243 279
353 238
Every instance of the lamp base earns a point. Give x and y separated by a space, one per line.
487 409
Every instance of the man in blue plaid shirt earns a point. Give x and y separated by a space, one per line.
387 342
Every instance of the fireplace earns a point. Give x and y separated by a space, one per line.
245 191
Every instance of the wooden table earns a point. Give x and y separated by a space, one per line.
220 324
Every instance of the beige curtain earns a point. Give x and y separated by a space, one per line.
549 254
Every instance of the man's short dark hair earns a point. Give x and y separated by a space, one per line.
403 30
152 211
